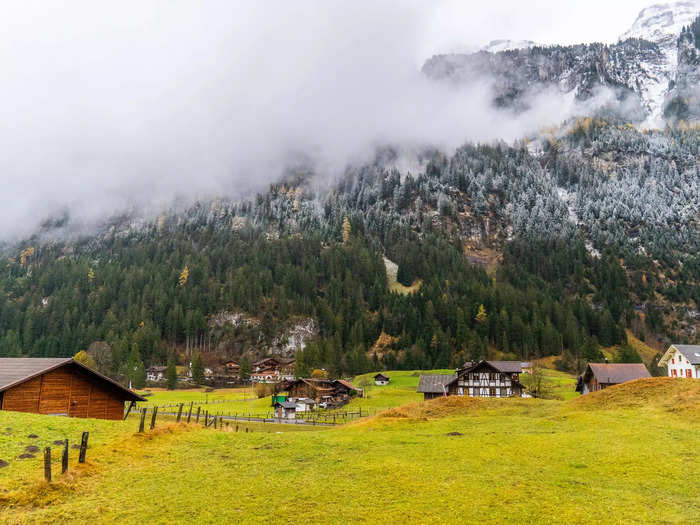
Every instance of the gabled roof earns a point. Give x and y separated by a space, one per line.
381 376
615 373
690 352
17 370
433 383
507 367
345 384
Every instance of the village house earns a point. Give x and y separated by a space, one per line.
226 374
598 376
273 370
682 361
60 386
482 379
156 373
381 380
322 391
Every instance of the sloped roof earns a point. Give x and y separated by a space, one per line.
381 376
690 352
345 384
615 373
433 383
508 367
17 370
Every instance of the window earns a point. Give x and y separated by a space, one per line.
493 392
673 361
689 373
675 373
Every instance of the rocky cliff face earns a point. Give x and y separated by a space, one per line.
641 68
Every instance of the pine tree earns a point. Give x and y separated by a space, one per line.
171 375
197 369
245 368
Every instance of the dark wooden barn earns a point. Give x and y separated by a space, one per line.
60 386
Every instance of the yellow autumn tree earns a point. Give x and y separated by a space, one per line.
184 276
481 315
346 230
25 254
91 274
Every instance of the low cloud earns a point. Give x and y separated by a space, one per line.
133 105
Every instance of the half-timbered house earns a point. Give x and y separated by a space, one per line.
489 379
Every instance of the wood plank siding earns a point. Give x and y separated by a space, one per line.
69 389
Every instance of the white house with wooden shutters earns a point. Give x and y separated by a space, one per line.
682 361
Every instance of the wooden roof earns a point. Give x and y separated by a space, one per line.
17 370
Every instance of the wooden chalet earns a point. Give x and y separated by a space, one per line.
60 386
156 373
482 379
381 380
332 392
273 369
598 376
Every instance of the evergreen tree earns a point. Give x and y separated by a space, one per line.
197 369
171 375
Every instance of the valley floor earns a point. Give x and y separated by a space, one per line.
629 454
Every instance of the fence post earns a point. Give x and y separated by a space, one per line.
142 423
206 417
83 447
189 414
47 464
215 422
64 459
199 409
153 417
179 414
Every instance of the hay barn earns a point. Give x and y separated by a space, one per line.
60 386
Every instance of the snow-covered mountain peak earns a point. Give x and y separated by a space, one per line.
507 45
662 23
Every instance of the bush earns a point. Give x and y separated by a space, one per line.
264 389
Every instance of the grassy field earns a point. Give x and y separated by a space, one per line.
628 454
395 286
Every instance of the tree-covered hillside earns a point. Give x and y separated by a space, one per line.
595 227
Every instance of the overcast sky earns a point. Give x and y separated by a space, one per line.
104 105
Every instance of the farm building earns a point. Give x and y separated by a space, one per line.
285 409
381 380
60 386
435 385
601 375
482 379
682 361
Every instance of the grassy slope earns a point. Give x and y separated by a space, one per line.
601 458
395 286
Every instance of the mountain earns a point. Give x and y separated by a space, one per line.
640 69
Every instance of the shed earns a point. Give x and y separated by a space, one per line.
435 385
60 386
381 380
285 409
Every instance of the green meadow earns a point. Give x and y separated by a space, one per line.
628 454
